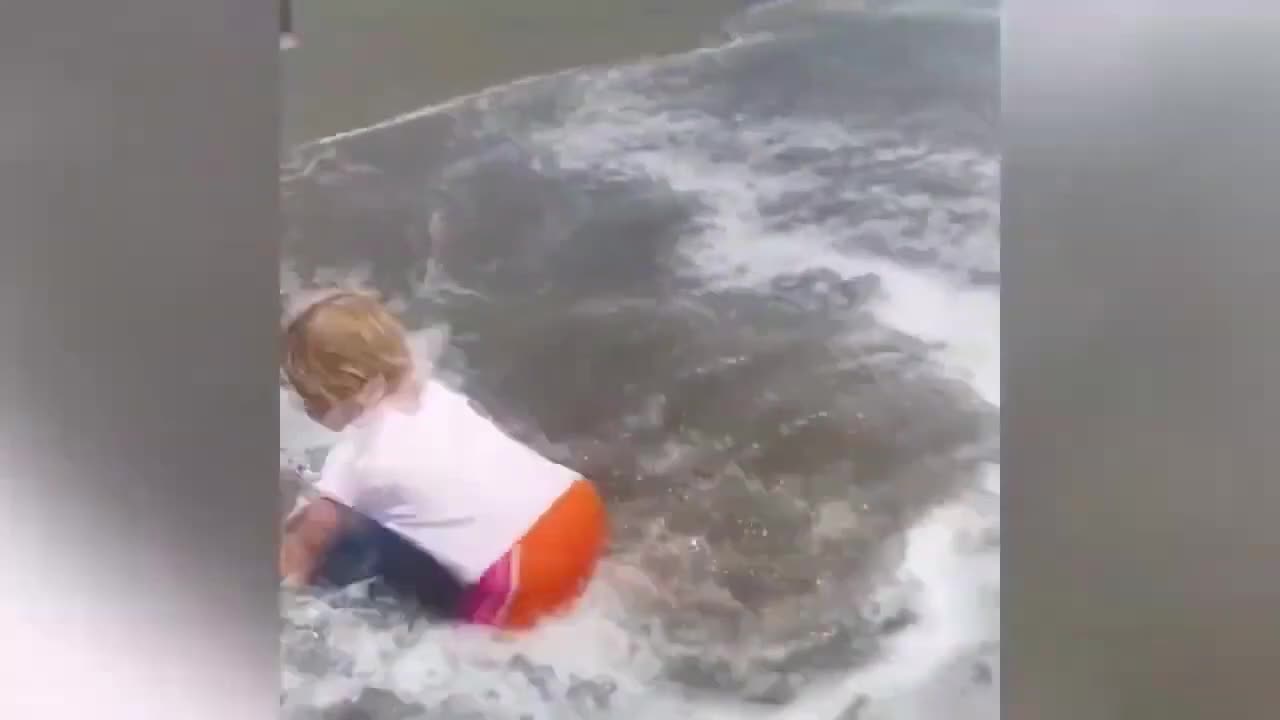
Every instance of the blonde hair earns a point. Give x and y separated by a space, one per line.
340 344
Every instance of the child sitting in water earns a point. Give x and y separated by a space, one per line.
477 526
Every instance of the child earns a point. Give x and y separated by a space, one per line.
476 525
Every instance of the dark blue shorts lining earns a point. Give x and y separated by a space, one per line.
367 550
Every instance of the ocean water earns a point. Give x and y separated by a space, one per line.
361 62
752 290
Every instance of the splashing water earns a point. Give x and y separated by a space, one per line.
753 291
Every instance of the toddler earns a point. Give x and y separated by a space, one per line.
477 526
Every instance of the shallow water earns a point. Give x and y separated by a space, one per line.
361 62
753 290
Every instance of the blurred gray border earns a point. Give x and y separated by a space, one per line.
137 384
138 405
1141 351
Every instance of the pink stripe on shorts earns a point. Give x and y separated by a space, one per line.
486 601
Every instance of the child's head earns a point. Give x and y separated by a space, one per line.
341 348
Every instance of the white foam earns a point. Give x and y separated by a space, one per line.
956 584
965 320
447 661
462 101
739 248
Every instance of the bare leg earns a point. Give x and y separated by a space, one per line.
308 537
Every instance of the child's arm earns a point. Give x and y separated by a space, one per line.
307 537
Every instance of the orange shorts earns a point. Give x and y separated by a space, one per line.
548 569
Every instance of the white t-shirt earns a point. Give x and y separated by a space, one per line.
445 477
